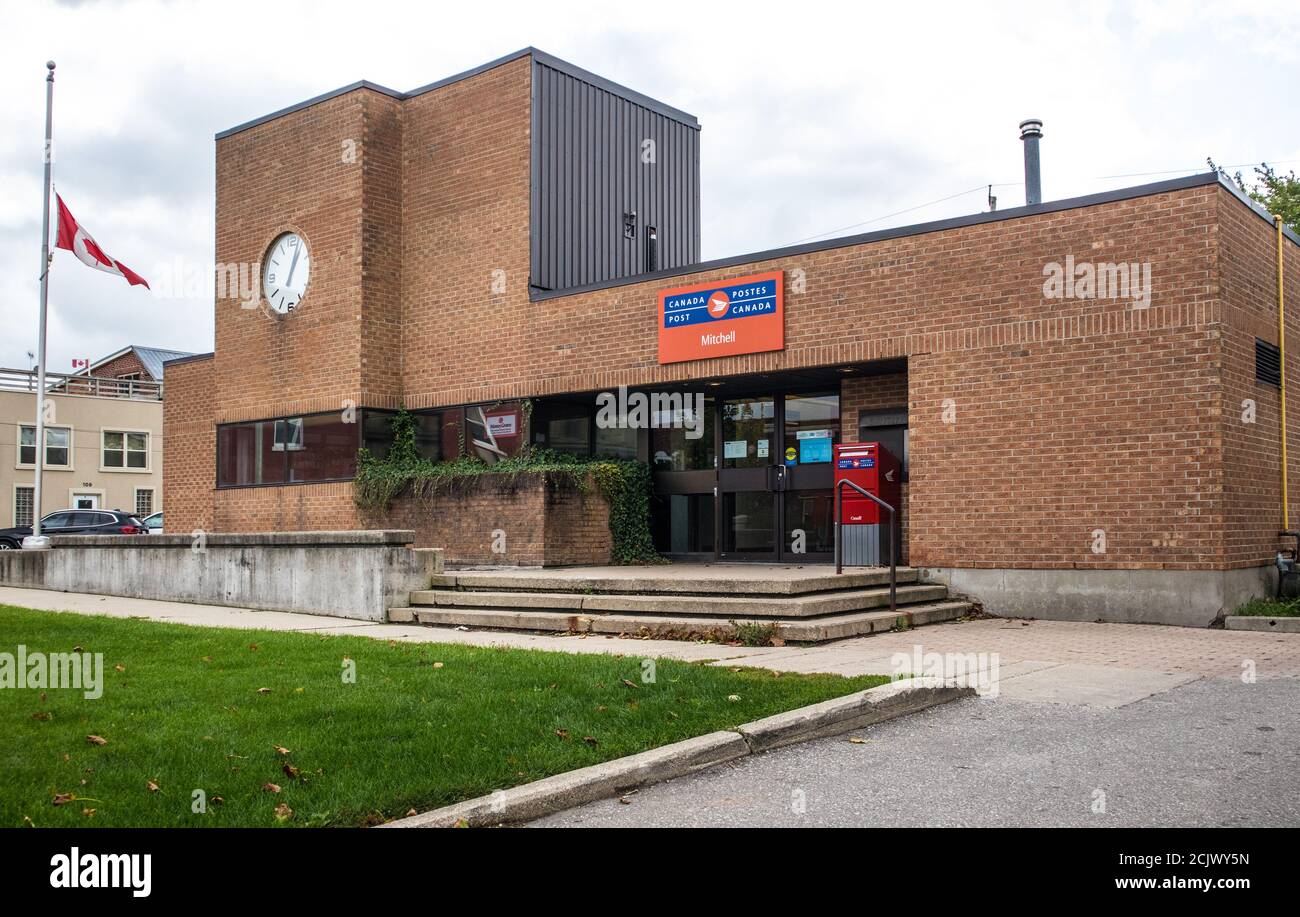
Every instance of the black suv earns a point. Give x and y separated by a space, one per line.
76 522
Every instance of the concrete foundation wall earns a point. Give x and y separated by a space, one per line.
345 574
1188 598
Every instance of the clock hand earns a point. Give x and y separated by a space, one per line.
297 248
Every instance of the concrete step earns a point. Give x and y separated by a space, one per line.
680 579
725 607
682 627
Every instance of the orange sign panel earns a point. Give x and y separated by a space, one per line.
745 315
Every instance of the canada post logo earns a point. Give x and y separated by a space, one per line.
745 315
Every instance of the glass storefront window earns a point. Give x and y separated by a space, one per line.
748 430
672 449
683 523
812 513
317 447
615 442
325 450
749 522
246 454
812 426
494 432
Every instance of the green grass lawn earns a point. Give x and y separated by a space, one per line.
1270 608
423 725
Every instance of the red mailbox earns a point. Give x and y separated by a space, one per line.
876 470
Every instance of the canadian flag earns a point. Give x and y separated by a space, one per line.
76 240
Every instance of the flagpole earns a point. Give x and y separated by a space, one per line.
36 541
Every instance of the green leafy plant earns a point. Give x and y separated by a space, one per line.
1278 193
624 484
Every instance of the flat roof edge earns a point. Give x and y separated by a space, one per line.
308 103
192 358
617 89
540 57
919 229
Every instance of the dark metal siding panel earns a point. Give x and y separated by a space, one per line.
587 172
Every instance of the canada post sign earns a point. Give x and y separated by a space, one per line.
745 315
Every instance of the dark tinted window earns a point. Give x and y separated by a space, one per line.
319 447
57 521
328 451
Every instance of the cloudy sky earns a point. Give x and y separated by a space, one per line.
819 119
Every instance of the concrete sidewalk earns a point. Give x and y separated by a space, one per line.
1060 662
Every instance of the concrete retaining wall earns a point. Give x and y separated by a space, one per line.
1189 598
346 574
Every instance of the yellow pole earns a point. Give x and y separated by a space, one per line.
1281 347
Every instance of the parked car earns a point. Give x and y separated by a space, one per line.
76 522
153 523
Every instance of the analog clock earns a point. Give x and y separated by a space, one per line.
288 268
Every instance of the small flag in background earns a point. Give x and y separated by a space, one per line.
80 363
76 240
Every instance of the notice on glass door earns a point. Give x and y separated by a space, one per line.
735 449
762 448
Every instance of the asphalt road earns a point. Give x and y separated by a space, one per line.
1214 752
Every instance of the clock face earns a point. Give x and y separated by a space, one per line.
288 268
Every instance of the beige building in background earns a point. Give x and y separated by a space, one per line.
103 438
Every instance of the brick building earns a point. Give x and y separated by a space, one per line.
1084 391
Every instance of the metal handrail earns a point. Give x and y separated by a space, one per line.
839 538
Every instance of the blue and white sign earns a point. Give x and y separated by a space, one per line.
740 301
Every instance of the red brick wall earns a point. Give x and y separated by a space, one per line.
546 522
465 215
124 365
292 508
1247 259
189 447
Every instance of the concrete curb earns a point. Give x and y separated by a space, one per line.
1262 623
612 778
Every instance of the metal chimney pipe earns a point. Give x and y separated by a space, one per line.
1031 131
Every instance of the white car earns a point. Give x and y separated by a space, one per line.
154 523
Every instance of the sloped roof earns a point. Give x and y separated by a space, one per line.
151 358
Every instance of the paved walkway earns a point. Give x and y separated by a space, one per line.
1096 665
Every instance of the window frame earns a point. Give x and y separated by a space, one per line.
71 447
14 504
135 501
125 432
216 458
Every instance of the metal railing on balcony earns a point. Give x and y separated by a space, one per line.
24 380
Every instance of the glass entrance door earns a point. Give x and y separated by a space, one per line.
754 484
748 478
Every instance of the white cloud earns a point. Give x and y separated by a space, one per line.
815 115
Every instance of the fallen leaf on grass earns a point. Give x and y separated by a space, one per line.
563 734
153 786
41 715
270 787
89 813
252 646
217 800
733 697
290 771
62 798
263 690
590 740
411 812
280 750
631 684
97 740
120 668
437 665
283 812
